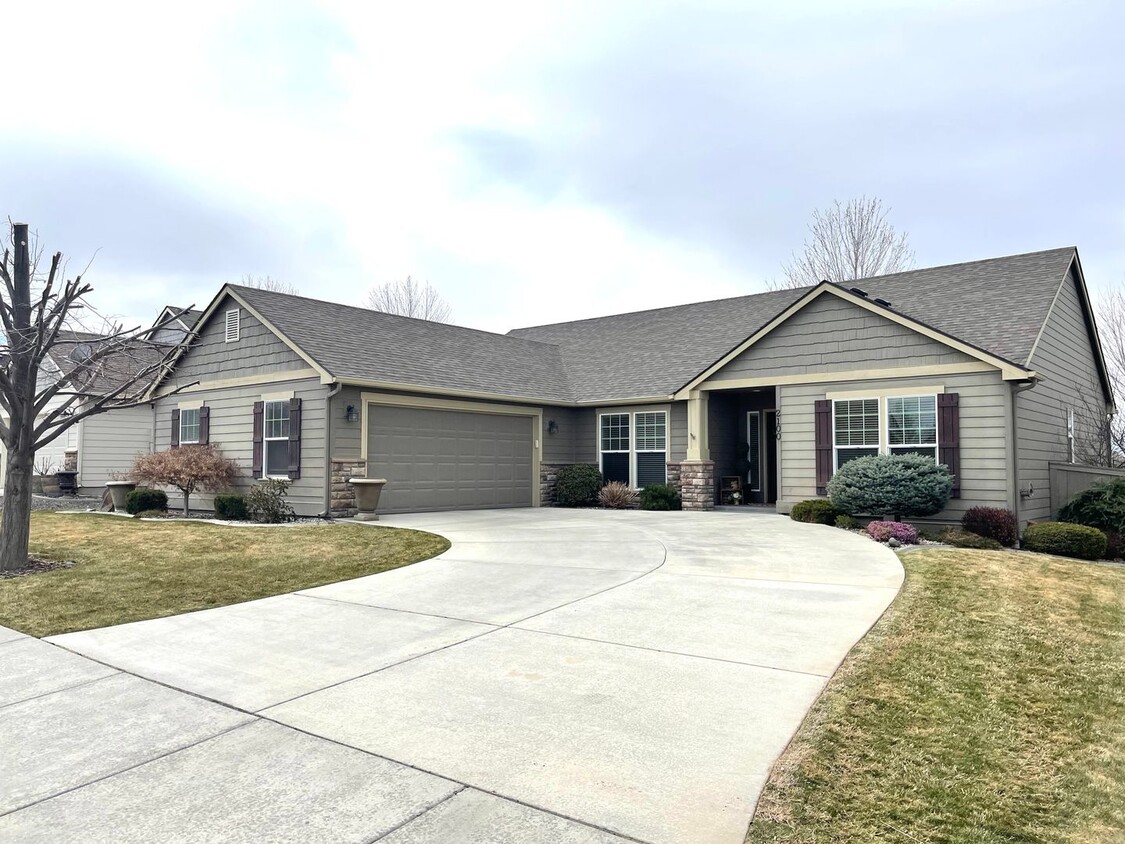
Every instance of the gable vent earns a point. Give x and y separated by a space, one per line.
232 325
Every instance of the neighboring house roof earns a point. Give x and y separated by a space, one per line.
187 318
997 305
108 373
994 308
359 345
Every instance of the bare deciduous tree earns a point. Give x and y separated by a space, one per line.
264 282
848 241
1102 441
38 403
411 299
187 468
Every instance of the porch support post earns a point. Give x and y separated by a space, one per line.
697 473
697 446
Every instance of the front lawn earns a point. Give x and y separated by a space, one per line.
987 706
128 570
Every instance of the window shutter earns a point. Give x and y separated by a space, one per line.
204 425
175 441
294 439
823 417
259 429
949 437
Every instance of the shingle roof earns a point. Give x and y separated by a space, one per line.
359 344
109 372
998 305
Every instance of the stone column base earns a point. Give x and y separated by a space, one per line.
342 505
697 484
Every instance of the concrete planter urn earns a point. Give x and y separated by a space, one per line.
118 492
49 485
367 491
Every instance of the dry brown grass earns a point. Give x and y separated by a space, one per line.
987 706
128 570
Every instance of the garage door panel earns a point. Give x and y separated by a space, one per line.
440 459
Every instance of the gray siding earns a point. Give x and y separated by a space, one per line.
232 430
258 351
1064 360
985 453
108 443
678 432
831 335
585 435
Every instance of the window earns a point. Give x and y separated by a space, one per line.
275 435
189 426
233 319
856 429
615 446
912 425
652 447
642 462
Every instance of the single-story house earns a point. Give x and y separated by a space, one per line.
992 367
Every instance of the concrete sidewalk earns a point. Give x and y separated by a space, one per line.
555 676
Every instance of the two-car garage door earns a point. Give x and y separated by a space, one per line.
437 459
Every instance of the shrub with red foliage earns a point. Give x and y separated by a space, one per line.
884 531
187 468
993 523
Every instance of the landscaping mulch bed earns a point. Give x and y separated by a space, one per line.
37 565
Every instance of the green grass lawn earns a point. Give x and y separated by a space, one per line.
128 570
987 706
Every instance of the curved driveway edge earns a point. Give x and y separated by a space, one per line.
555 676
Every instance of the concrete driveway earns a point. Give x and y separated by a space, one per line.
561 676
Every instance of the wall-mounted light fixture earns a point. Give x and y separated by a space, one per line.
352 413
552 426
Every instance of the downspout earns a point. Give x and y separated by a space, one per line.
335 391
1017 497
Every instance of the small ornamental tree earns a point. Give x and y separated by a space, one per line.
187 468
891 484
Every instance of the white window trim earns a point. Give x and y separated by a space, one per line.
632 450
267 470
884 445
635 476
228 335
198 424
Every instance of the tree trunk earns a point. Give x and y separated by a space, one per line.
15 521
187 493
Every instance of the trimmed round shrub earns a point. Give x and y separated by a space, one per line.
577 485
959 538
846 522
993 522
232 507
1065 539
885 531
815 511
660 497
1101 505
143 498
265 502
891 485
617 496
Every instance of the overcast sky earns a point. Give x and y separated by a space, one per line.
547 161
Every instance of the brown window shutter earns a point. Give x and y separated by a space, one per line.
949 437
259 430
175 441
204 425
294 439
823 419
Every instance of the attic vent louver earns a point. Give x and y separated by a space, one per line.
882 302
858 292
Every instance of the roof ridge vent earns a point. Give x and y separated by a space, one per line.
858 292
882 302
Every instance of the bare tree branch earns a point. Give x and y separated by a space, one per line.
848 241
264 282
410 299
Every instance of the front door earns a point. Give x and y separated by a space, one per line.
761 455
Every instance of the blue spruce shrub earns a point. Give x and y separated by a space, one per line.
898 485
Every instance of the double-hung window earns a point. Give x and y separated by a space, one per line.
615 447
189 426
275 436
912 425
856 429
638 460
652 447
891 425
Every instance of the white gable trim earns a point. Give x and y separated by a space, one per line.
1009 370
